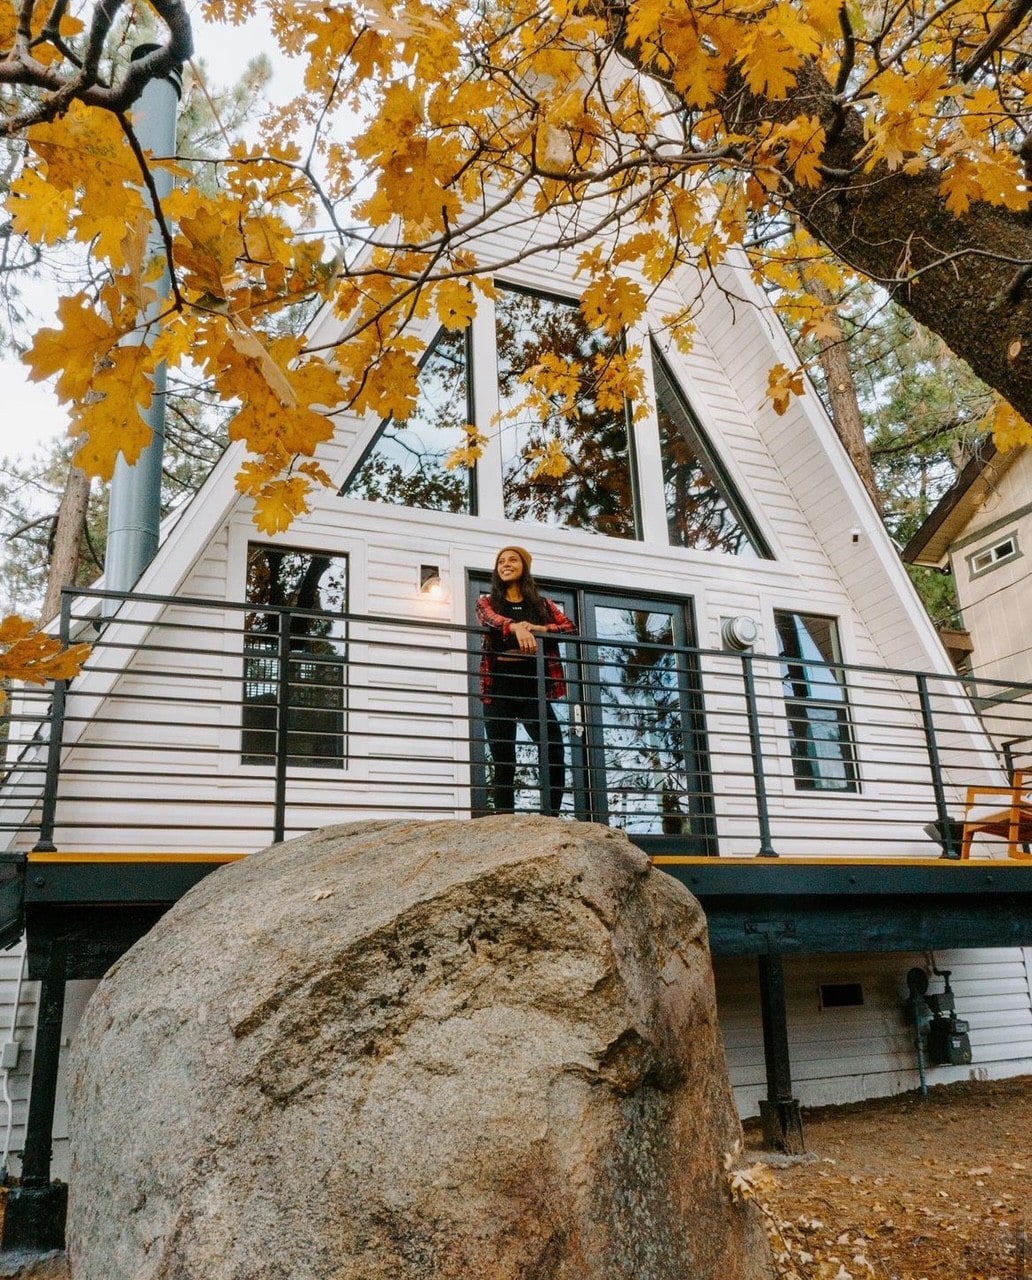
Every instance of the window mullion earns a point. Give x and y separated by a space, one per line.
648 453
484 383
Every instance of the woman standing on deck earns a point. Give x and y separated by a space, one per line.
515 614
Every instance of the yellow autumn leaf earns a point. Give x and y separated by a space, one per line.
277 502
1009 429
551 463
249 345
455 304
468 454
961 184
613 303
317 473
27 653
823 326
73 351
109 422
772 50
390 387
557 379
782 385
39 210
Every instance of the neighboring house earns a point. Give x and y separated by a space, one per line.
980 531
668 542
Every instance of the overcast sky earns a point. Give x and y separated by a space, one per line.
29 411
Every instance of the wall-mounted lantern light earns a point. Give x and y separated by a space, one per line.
430 581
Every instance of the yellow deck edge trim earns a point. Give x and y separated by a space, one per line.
676 860
136 857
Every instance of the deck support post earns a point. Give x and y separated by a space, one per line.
779 1113
34 1219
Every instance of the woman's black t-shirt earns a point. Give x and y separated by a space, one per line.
515 611
515 675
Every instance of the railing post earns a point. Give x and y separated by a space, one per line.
779 1114
949 850
279 816
34 1219
544 746
767 849
48 809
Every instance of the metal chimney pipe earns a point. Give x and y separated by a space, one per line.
134 513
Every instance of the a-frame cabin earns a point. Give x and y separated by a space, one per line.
754 687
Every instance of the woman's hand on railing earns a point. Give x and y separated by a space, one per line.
524 633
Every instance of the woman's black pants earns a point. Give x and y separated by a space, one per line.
514 701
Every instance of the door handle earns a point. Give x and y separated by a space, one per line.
578 720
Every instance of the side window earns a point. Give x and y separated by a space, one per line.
595 490
816 703
989 557
406 465
701 509
294 655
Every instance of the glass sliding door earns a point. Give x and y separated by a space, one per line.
642 720
632 722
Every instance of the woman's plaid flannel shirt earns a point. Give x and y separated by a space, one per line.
555 683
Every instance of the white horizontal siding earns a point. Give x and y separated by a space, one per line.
854 1053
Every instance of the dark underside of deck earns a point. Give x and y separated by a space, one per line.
805 907
95 905
80 912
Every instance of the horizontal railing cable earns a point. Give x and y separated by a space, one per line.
245 721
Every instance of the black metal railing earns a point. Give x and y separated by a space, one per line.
201 724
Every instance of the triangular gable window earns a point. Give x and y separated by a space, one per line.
405 464
701 509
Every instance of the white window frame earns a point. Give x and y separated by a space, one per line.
988 558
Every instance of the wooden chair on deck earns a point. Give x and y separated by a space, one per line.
1004 812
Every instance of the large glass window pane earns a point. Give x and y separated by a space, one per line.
642 746
816 703
296 680
596 492
700 510
406 463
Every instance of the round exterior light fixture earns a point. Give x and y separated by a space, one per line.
739 633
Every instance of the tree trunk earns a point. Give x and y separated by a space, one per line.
845 403
845 411
967 279
66 546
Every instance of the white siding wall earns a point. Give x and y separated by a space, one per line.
385 546
77 993
996 604
848 1054
17 1023
785 477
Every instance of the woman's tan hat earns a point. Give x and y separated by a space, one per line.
523 554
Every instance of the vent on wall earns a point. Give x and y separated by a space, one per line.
841 995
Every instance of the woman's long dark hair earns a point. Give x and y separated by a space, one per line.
531 595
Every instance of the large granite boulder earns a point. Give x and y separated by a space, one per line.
403 1050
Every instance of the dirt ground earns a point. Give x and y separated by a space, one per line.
907 1188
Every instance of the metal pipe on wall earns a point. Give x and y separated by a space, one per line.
135 507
